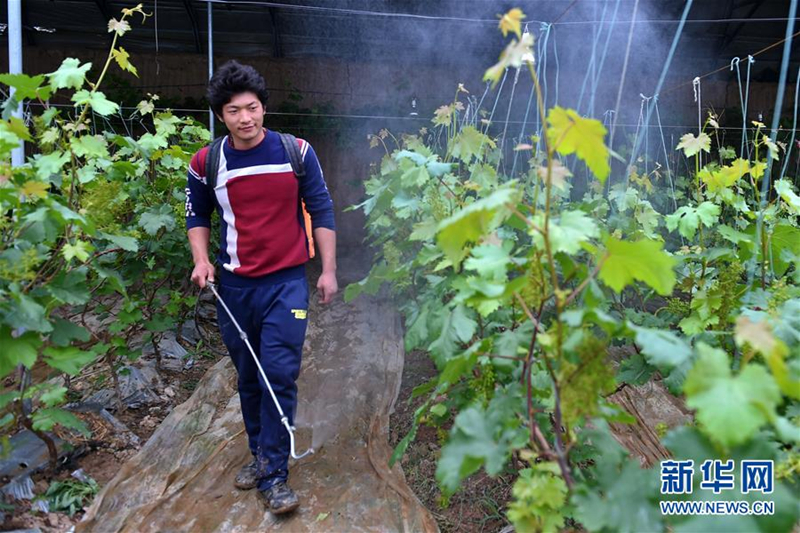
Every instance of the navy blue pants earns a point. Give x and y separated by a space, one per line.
274 317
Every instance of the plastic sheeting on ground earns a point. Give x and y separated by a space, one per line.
182 479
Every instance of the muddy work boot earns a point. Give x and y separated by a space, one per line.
279 498
247 477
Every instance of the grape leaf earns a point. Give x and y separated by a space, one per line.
97 101
692 145
89 146
457 326
68 359
643 260
46 420
474 221
730 408
14 351
70 75
569 133
662 348
511 21
469 143
156 218
568 232
787 194
26 86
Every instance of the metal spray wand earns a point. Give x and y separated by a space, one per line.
243 336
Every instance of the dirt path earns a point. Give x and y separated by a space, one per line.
182 479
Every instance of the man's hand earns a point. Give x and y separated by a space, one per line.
203 272
327 287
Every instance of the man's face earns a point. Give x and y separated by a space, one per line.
244 117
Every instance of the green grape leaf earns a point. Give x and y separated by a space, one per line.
50 164
68 359
70 287
129 244
649 219
480 437
469 143
568 232
89 146
70 75
610 507
26 87
734 236
80 251
784 239
475 221
730 408
662 348
643 260
64 332
46 420
517 52
457 326
771 147
787 194
19 350
97 101
156 218
54 396
18 128
687 218
569 133
489 261
727 153
708 213
26 313
692 145
634 370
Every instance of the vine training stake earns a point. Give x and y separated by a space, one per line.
243 336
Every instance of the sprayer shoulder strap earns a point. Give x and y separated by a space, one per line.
212 163
292 148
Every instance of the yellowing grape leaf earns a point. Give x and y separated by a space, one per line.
757 169
569 133
644 260
516 53
35 189
692 145
122 57
511 22
726 176
772 147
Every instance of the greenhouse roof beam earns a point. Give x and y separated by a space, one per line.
735 33
195 25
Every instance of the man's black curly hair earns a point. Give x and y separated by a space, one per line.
231 79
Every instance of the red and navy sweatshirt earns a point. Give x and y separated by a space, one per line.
257 196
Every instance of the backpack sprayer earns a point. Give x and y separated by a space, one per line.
243 336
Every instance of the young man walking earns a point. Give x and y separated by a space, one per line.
263 251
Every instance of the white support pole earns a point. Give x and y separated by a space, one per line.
210 61
15 65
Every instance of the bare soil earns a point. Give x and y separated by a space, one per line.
481 503
102 454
